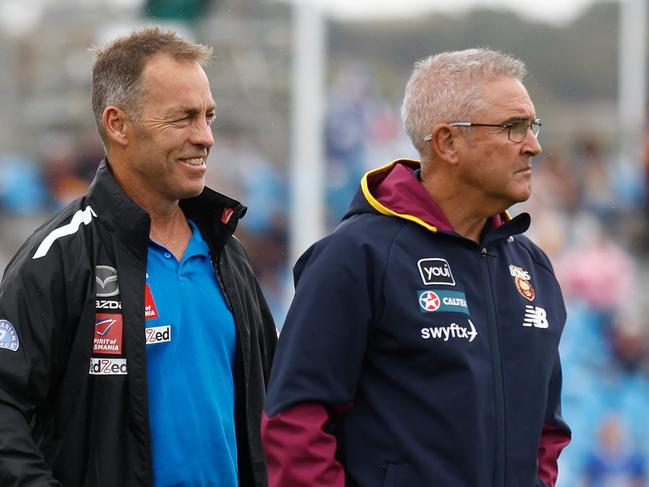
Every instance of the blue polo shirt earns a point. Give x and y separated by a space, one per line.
191 340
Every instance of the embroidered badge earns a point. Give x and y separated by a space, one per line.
108 334
522 281
8 336
226 215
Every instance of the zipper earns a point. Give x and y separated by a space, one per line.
500 446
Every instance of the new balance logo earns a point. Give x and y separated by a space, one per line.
535 316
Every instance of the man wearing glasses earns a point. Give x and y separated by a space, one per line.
421 348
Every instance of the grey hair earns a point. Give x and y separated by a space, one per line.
448 87
117 72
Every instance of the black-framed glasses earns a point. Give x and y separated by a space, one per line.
516 131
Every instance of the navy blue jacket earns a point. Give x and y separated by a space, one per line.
412 356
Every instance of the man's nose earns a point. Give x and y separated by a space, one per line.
531 144
202 135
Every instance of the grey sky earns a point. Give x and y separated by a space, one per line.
547 10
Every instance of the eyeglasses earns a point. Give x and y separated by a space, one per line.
516 131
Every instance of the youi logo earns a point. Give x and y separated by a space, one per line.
435 271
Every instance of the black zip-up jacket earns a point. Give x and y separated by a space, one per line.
73 417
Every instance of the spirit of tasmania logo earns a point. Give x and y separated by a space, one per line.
108 334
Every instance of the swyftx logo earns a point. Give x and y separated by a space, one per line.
453 330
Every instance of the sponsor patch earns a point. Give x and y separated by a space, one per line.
150 310
435 271
434 300
522 281
8 336
107 366
226 215
448 332
536 317
157 334
107 283
108 304
108 334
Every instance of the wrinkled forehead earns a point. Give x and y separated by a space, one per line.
507 97
171 83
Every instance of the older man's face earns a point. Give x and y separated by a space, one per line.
492 165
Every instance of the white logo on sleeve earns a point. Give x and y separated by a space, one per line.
81 216
536 317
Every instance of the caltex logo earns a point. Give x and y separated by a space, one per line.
442 300
429 301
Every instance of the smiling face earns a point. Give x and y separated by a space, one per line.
492 167
168 142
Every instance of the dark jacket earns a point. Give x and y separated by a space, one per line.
412 356
74 417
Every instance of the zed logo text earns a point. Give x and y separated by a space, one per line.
107 366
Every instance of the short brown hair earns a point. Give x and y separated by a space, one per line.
117 73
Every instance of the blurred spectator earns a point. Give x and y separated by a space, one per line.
22 191
613 462
629 343
346 129
597 270
64 181
555 183
596 183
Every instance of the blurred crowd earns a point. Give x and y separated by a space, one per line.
588 213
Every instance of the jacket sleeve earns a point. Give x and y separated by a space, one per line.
318 363
555 435
267 336
29 367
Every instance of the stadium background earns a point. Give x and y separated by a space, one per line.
589 203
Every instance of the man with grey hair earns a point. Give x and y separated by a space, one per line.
421 347
135 342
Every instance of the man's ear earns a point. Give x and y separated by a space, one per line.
116 124
444 143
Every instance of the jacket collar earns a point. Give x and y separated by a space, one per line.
395 190
215 215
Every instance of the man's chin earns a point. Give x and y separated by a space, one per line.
191 192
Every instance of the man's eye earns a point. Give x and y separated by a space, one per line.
520 127
181 121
